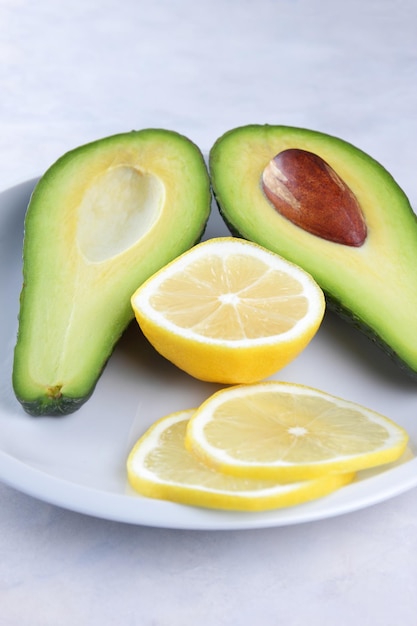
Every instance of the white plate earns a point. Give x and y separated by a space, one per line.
78 461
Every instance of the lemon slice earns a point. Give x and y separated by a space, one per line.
290 432
159 466
229 311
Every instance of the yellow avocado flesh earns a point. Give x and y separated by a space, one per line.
374 285
101 220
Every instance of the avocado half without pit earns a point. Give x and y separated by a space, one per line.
333 210
101 220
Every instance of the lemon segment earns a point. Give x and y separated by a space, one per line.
229 311
287 432
159 466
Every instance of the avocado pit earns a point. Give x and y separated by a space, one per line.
307 191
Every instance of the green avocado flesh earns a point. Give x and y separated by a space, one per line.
373 285
101 220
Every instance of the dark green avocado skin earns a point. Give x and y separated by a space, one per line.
53 407
363 328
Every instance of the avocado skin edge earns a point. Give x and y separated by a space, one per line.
359 325
54 407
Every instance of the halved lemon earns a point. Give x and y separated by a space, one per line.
285 431
229 311
159 466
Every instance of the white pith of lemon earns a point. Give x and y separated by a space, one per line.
284 431
229 311
159 466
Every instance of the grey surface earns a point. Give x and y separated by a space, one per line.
73 71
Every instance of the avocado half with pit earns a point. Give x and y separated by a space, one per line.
100 221
336 212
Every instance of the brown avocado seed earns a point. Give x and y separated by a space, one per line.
307 191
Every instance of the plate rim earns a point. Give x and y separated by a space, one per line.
131 508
